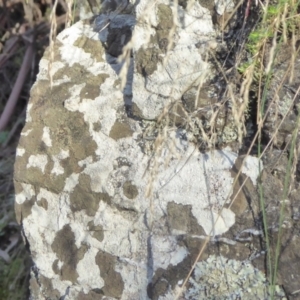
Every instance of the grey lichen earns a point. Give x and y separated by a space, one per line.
222 278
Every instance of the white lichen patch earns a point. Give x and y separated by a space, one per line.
183 66
85 162
71 182
26 133
204 182
110 97
133 271
92 109
162 245
252 168
88 263
72 54
28 116
27 193
168 81
58 207
46 137
59 214
57 168
222 278
72 103
203 17
37 161
20 151
50 225
98 178
44 64
119 232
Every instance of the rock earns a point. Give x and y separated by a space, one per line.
282 100
114 196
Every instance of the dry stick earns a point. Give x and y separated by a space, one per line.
13 98
272 51
294 54
69 17
52 37
9 50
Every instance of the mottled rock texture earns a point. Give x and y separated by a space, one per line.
113 194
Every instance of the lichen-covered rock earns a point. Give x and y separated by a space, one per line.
114 202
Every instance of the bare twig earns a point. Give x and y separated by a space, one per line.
14 96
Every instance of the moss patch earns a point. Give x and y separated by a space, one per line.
130 190
67 252
120 130
114 284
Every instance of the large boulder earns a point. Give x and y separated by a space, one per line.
117 191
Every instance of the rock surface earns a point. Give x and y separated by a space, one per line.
114 196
